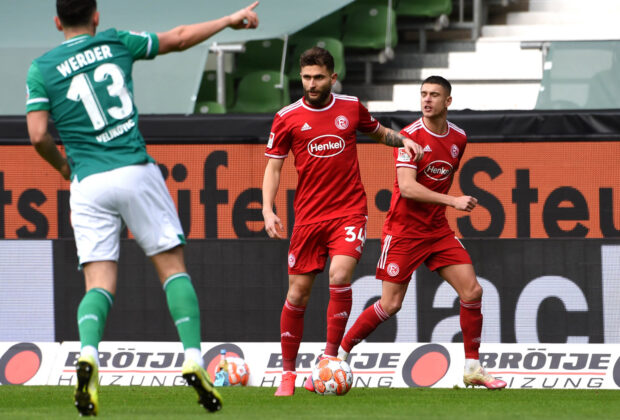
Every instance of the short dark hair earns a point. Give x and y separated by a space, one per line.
75 12
317 56
438 80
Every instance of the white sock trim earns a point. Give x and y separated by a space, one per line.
175 276
471 365
194 354
90 351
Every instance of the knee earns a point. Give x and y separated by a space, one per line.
339 277
391 306
298 295
472 294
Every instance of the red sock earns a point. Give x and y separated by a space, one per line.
471 325
338 310
367 322
291 331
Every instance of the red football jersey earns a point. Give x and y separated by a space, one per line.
442 155
323 142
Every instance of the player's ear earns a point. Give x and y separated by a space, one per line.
448 101
96 18
58 24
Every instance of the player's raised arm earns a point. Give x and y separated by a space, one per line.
44 143
271 182
186 36
391 138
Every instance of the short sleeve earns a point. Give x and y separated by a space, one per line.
367 124
141 45
279 142
36 94
401 158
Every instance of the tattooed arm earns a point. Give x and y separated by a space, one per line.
391 138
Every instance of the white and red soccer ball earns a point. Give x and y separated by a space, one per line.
332 376
238 371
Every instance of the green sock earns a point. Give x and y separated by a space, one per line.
183 306
92 314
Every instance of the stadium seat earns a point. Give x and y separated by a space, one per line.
334 46
257 92
423 8
209 107
260 55
328 26
208 88
366 26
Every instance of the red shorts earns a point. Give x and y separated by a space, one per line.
312 244
401 256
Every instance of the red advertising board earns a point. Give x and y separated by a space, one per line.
535 190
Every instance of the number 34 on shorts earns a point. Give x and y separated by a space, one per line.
354 233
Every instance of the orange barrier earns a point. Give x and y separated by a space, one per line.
535 190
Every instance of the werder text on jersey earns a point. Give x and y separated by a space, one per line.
84 58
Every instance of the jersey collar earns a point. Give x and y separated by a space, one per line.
77 38
311 108
432 132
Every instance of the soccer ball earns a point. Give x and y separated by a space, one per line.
332 376
238 371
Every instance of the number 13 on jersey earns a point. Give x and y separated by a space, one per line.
82 90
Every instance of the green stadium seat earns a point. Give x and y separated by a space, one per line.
366 26
257 92
334 46
208 88
260 55
209 107
328 26
423 8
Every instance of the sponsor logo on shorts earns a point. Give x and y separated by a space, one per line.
326 146
393 269
291 260
341 122
454 151
438 170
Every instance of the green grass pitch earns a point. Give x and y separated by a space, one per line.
120 402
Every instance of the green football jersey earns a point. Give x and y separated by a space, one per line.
85 83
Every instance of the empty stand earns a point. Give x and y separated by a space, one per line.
209 107
208 88
261 92
258 56
423 8
334 46
368 25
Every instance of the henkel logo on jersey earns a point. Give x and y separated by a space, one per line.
326 146
438 170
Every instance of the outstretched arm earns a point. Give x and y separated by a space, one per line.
391 138
44 143
186 36
413 190
271 182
